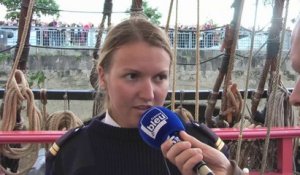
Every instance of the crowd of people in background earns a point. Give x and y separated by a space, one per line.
57 33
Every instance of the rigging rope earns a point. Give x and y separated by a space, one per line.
240 139
275 80
175 59
236 29
169 16
197 64
22 41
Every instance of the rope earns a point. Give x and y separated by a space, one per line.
22 41
183 113
17 91
7 49
271 113
169 16
98 100
240 139
43 99
137 9
232 50
174 60
283 114
62 120
197 64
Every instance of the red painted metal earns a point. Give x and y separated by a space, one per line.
224 133
285 135
29 136
258 133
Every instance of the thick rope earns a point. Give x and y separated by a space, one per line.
62 120
137 9
17 91
283 113
270 115
174 60
237 24
197 64
98 96
240 139
22 41
14 96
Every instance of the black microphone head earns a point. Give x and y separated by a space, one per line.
157 124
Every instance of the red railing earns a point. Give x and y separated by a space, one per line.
284 136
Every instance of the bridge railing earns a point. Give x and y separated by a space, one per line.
70 37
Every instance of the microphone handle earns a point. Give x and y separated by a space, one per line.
201 168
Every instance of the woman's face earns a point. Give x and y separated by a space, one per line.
138 79
294 98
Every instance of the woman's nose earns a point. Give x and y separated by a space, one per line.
147 90
294 98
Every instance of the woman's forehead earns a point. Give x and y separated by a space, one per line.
140 52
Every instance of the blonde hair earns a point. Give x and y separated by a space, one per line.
132 30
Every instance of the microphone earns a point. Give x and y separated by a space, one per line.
158 124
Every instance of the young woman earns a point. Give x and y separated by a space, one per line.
134 72
295 59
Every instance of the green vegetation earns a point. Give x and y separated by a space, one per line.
42 7
4 57
152 13
38 78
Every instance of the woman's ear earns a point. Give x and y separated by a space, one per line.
101 78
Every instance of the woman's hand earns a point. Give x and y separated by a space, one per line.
190 151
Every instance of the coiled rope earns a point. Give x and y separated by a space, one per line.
18 91
63 120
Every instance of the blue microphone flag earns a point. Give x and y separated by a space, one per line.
157 124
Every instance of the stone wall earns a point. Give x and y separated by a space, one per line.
69 69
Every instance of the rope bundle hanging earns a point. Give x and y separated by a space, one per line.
274 71
18 91
234 104
63 120
283 113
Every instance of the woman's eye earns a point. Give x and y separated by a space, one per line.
161 77
131 76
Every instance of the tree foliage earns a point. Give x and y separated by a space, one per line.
152 13
42 7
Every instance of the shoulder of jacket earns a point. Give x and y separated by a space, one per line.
72 133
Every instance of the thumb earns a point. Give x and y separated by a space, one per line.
210 155
195 142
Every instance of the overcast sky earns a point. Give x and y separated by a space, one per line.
217 10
